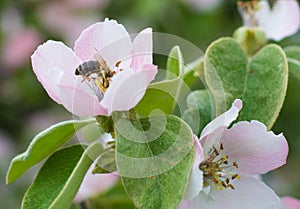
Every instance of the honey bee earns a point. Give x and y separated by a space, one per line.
99 68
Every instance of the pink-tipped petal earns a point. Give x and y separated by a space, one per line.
256 150
94 183
142 50
80 102
223 120
50 62
249 193
108 38
195 183
289 203
127 88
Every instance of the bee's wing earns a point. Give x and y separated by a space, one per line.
100 59
94 89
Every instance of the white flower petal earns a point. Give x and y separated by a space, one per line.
223 120
256 150
80 102
249 193
282 21
52 62
127 88
142 50
195 183
108 38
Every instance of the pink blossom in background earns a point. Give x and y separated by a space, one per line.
18 47
95 183
289 203
20 41
227 162
279 22
41 120
7 148
54 65
68 18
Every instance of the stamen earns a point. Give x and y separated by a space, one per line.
231 186
227 180
235 164
216 170
216 151
234 176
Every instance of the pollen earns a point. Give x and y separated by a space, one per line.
217 170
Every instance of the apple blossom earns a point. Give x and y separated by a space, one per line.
279 22
227 162
54 65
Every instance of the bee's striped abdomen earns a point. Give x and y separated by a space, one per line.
88 68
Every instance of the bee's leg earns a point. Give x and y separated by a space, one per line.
85 78
103 76
100 85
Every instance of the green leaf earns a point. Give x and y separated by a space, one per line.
192 71
199 112
292 52
154 159
293 57
261 81
59 179
174 63
162 95
43 145
106 123
106 163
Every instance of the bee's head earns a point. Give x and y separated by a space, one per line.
77 71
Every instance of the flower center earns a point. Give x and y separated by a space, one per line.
217 170
98 71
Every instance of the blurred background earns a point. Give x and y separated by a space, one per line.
25 108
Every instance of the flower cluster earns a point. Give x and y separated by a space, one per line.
109 71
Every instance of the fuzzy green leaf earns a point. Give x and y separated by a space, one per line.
59 179
199 112
154 160
261 81
43 145
162 95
